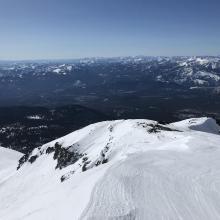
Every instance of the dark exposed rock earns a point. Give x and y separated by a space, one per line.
63 178
66 176
84 159
157 128
26 158
84 167
32 158
50 150
64 157
154 128
98 163
110 128
102 154
22 160
105 161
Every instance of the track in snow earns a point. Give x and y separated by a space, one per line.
161 185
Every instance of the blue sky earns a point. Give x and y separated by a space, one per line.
43 29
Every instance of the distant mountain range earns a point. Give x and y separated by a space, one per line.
192 71
85 91
87 80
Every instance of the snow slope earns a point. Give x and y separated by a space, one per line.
126 169
8 162
208 125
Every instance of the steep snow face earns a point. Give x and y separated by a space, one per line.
8 162
125 169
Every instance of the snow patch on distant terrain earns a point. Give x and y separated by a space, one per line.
34 117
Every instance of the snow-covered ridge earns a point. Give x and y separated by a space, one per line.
119 170
111 139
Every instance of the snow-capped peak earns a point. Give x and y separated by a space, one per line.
119 169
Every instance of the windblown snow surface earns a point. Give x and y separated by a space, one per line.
8 163
126 169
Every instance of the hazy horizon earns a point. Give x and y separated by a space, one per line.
101 57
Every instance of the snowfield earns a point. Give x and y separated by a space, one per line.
8 162
122 170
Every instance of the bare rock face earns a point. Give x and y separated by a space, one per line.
64 156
